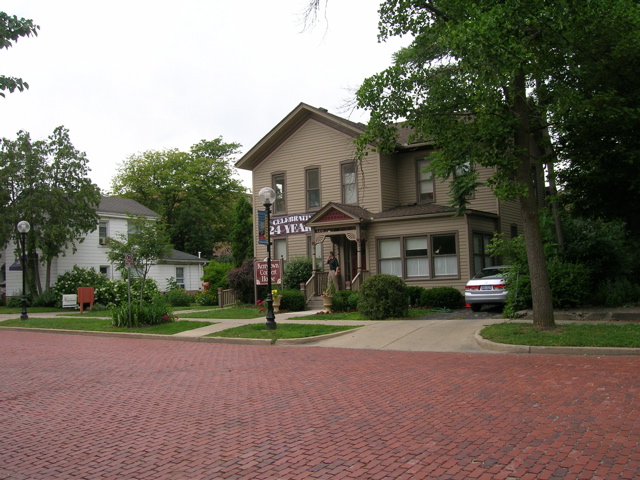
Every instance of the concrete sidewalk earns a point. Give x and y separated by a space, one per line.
455 332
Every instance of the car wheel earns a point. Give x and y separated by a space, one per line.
476 307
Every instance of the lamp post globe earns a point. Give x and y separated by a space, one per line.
23 228
267 197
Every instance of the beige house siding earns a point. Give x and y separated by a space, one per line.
417 227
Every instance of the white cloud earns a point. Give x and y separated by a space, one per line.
135 75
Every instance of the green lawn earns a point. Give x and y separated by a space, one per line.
572 335
283 330
98 325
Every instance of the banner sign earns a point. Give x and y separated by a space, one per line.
290 224
263 236
261 272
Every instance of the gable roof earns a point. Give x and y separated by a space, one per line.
290 124
176 256
124 206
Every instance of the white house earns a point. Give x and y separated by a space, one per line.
114 215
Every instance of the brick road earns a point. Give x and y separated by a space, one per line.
77 407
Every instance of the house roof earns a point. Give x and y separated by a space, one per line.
288 125
124 206
176 256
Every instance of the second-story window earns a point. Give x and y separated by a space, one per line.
425 182
349 185
313 188
103 232
280 205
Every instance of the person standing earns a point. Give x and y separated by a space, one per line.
334 270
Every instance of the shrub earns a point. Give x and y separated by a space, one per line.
241 280
442 297
207 298
570 283
297 270
178 298
47 299
216 274
68 283
292 300
119 291
383 296
16 301
415 296
155 313
617 293
340 301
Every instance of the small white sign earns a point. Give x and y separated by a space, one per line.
69 301
128 260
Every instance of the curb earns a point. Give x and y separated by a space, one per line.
599 351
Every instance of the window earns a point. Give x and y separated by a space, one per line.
278 186
416 256
180 277
445 258
280 249
481 258
408 257
425 182
349 185
514 230
313 188
102 232
390 257
104 270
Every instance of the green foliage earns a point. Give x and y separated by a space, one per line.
47 299
155 313
604 246
292 300
147 241
415 295
16 302
242 231
69 282
11 29
344 301
192 191
207 298
216 274
297 270
383 296
442 297
619 292
178 298
45 182
241 280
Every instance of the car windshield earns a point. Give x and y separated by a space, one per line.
489 272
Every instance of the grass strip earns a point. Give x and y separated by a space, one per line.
283 330
565 335
239 313
100 325
413 313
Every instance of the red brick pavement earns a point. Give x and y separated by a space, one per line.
77 407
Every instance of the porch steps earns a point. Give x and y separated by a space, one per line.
315 303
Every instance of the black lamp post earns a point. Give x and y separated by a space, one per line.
23 228
267 197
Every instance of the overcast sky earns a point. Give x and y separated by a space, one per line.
126 76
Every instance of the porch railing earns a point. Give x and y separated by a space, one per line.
226 297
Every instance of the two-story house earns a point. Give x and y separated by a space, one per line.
114 214
381 214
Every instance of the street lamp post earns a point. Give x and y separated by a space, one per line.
267 197
23 228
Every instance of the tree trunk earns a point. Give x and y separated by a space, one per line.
540 289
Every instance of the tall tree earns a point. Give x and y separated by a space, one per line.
479 79
46 183
193 191
11 29
147 241
242 231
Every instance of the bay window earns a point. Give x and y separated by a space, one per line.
410 257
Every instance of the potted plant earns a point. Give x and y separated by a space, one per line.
277 296
327 296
